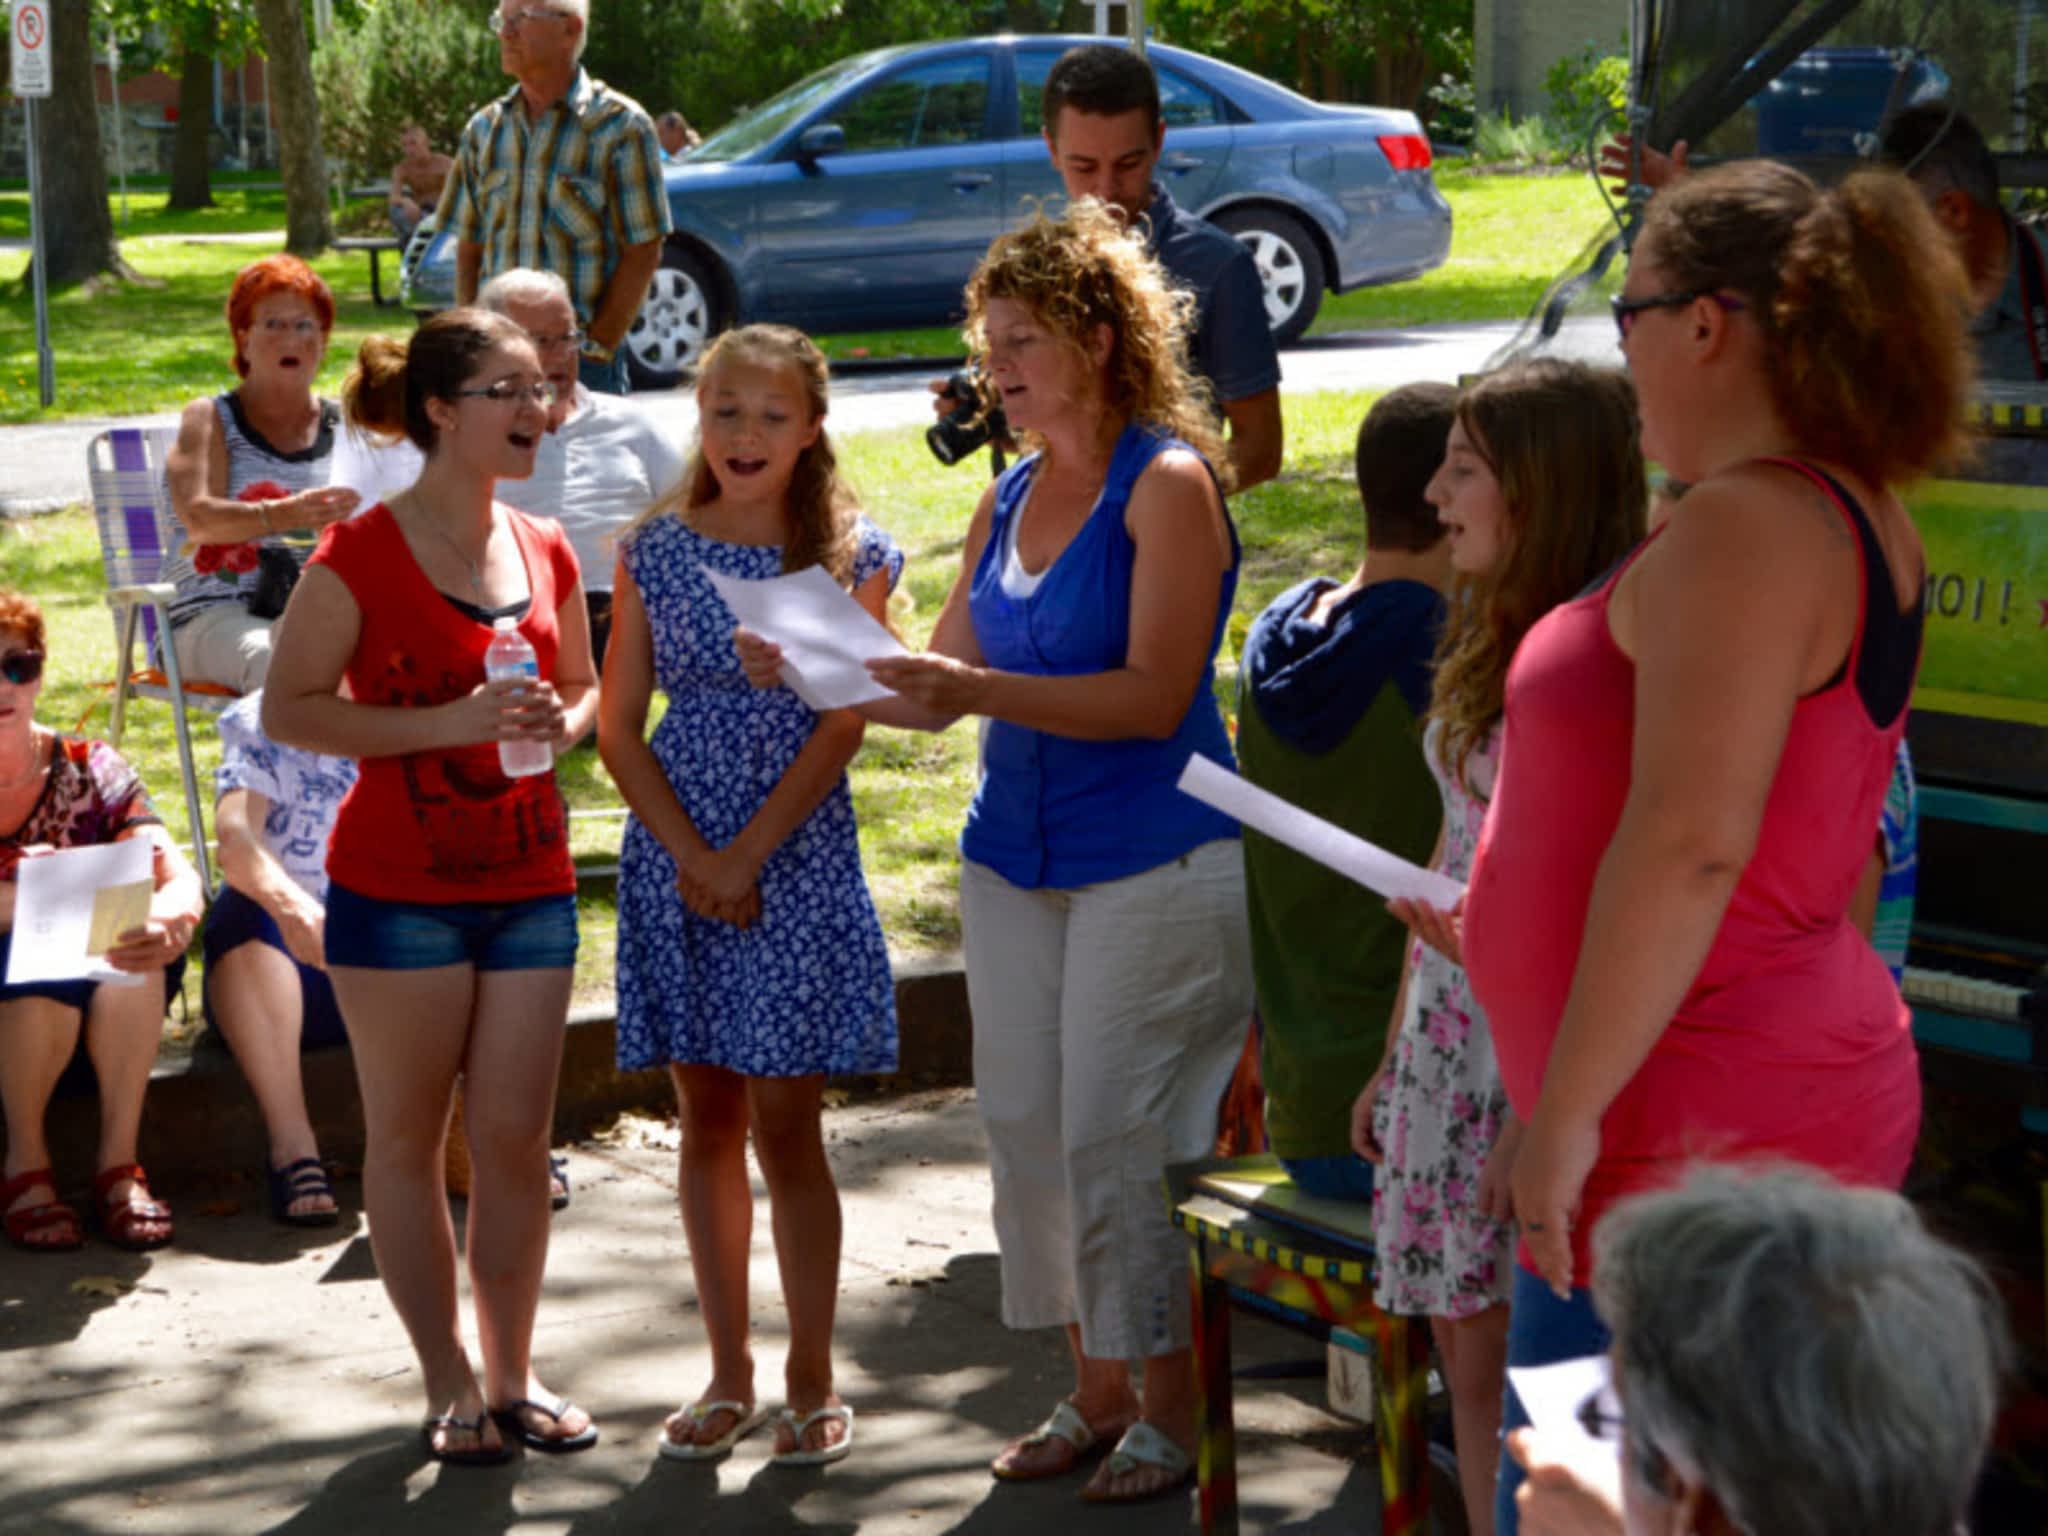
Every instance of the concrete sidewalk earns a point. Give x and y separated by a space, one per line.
254 1379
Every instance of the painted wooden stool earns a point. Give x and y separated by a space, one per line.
1255 1241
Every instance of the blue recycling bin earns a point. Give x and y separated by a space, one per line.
1827 97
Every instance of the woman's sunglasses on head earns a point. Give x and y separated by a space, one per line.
21 667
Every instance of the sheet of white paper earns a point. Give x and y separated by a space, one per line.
53 903
375 470
826 637
1367 863
1552 1394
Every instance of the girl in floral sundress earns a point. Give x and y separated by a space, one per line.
750 960
1541 490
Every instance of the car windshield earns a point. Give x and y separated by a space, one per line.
750 130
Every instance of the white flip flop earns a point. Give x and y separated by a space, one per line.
799 1427
745 1421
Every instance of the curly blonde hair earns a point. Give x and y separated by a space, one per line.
1086 269
822 510
1562 439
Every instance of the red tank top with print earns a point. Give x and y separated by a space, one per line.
1792 1042
443 826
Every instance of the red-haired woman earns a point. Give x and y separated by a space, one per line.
61 792
1696 751
252 464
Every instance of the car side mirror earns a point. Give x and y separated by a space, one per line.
820 140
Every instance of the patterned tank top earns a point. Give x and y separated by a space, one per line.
252 463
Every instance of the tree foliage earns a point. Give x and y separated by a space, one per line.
432 62
1387 52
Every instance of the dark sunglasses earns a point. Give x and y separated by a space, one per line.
1626 310
21 667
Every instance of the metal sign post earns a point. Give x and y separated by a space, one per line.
114 90
30 44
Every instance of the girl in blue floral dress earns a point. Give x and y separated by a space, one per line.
750 959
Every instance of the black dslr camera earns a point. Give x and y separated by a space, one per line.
968 425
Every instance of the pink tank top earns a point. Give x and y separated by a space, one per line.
1792 1042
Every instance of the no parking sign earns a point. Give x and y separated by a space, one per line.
30 36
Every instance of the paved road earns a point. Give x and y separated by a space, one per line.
42 467
253 1379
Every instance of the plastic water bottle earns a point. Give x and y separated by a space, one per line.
509 655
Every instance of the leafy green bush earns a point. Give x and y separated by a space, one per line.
1585 86
432 62
1452 105
1498 139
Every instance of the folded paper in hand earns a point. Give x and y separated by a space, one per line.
1552 1395
826 637
69 901
1367 863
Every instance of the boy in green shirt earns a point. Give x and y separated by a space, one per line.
1332 691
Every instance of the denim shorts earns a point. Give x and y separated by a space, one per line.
534 935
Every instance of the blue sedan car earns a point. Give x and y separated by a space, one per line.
862 197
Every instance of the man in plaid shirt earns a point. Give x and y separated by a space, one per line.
564 174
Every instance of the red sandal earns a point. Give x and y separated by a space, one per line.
119 1218
23 1225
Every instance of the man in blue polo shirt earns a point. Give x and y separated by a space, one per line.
1104 130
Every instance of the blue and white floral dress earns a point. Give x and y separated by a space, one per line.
807 989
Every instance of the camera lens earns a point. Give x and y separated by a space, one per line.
967 426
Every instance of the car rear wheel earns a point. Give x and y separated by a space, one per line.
1290 266
683 310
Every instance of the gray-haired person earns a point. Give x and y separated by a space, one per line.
602 463
1791 1358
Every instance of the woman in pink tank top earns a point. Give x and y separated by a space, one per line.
1695 752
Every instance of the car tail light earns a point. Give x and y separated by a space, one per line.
1405 151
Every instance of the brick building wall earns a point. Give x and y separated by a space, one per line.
1514 43
148 112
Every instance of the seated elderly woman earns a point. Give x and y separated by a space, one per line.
1790 1357
249 477
58 792
267 990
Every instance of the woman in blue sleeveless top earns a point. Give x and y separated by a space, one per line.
1107 957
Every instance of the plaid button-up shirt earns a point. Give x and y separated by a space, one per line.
566 192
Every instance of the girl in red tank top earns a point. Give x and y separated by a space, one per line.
1695 754
451 917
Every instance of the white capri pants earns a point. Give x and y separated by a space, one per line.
224 644
1107 1022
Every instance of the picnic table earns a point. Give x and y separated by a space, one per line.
376 245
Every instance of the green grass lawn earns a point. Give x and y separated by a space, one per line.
153 347
910 790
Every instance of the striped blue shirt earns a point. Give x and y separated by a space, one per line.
566 192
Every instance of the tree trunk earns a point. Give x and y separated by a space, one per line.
78 229
192 144
295 111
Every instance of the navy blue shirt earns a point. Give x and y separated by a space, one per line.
1233 345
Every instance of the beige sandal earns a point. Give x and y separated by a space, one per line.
1066 1423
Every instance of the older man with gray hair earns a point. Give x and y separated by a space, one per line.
1791 1358
602 462
561 172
